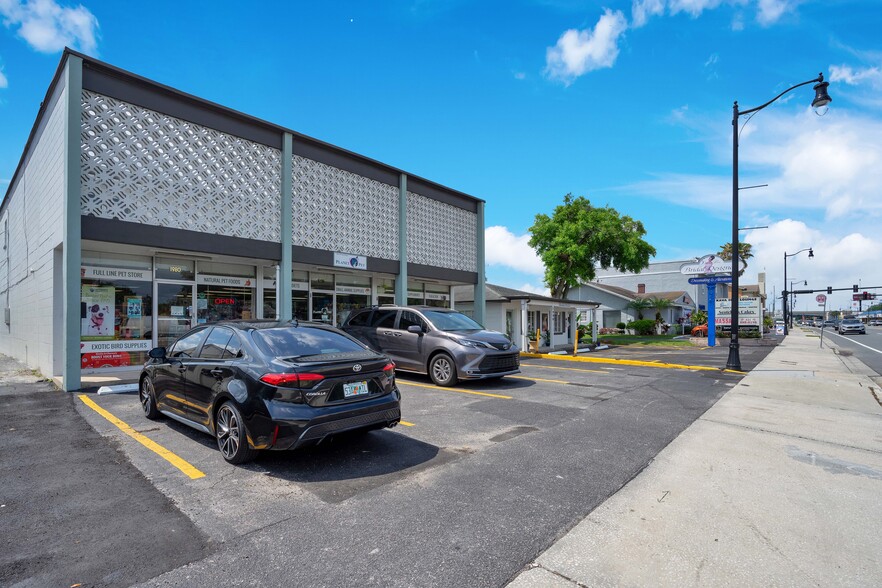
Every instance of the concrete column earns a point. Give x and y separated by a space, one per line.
72 240
480 296
401 280
283 283
525 336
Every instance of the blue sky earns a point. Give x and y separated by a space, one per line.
520 102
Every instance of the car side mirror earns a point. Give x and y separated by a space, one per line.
157 353
415 329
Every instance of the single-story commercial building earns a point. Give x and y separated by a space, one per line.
137 212
615 304
521 314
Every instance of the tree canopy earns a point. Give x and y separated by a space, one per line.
578 237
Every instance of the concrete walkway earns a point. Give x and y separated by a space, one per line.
778 484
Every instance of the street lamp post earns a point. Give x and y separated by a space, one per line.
793 301
821 99
787 292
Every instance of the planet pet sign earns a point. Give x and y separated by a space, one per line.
709 264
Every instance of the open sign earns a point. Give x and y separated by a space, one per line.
229 301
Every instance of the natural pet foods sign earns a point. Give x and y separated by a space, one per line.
225 281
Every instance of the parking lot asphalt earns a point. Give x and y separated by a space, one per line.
73 509
477 481
480 480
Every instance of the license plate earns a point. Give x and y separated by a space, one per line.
355 389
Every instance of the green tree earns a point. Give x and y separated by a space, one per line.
639 304
744 253
578 237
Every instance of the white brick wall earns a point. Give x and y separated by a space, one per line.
34 215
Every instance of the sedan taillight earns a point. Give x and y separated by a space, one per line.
389 369
288 380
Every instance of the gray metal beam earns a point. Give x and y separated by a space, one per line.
72 239
283 288
401 280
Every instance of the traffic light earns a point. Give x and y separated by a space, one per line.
854 288
829 289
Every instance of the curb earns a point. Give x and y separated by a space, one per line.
631 362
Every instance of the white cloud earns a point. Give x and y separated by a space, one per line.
4 83
829 165
770 11
502 247
641 10
855 77
692 7
48 27
533 289
578 52
838 262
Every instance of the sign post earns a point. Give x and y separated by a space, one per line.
822 301
711 283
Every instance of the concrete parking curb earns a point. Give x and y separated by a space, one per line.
630 362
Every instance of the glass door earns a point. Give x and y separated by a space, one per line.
174 311
323 307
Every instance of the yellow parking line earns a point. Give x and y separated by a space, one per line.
164 453
554 367
633 362
539 380
405 423
460 390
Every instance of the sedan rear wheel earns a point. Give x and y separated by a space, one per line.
148 399
442 370
232 438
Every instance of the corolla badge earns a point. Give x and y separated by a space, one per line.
356 367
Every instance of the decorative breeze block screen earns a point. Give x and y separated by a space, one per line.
336 210
440 234
142 166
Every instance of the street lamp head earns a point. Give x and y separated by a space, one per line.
811 253
822 98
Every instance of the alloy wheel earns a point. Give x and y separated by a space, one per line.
228 438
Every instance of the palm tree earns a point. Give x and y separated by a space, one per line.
639 304
659 304
743 252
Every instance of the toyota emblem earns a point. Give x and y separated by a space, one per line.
356 367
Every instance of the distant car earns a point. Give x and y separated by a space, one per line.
852 325
270 385
699 331
875 322
828 324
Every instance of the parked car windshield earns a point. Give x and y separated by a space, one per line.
301 341
451 321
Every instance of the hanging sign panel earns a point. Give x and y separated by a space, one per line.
350 261
91 272
225 281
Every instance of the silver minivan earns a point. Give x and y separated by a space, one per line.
445 344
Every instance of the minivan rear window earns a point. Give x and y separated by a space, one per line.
302 341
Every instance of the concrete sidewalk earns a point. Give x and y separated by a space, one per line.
778 484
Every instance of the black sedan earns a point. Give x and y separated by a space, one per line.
257 385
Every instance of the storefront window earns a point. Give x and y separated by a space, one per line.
353 292
115 310
175 269
415 296
224 291
438 295
322 281
385 290
269 292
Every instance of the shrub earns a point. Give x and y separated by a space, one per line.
621 326
642 327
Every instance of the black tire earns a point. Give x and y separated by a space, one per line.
442 370
147 396
231 435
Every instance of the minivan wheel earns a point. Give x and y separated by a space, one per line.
442 370
148 399
232 438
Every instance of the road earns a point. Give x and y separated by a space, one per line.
867 348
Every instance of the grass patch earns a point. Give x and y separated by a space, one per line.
647 340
